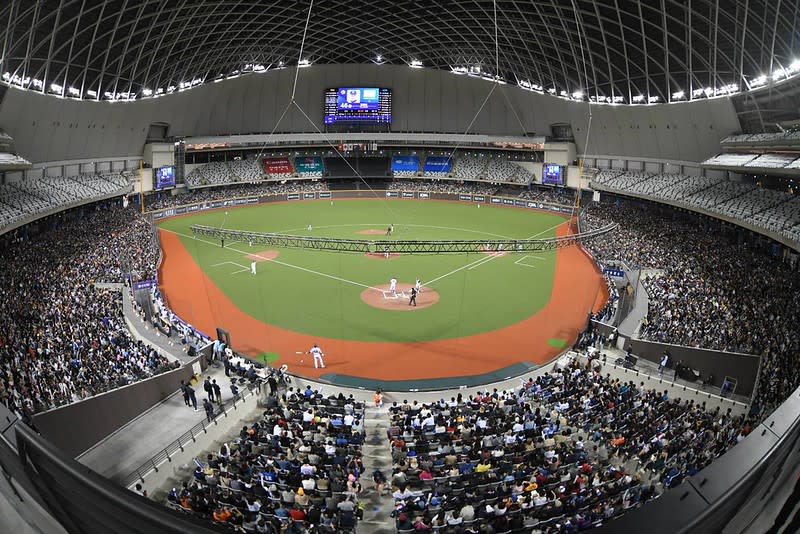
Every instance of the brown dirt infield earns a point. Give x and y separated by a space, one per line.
374 296
371 231
382 255
264 255
576 284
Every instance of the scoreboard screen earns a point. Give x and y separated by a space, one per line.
552 174
165 177
357 104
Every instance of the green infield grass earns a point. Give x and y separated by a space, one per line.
319 293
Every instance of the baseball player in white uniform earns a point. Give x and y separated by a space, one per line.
317 353
418 285
393 285
253 267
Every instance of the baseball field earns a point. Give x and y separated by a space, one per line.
476 314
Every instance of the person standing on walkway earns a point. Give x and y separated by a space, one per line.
217 391
227 362
664 362
207 387
192 396
209 408
185 391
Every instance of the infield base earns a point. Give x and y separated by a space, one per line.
380 297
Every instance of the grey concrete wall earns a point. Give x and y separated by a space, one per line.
46 128
742 367
76 427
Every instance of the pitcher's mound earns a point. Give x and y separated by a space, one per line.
264 255
371 231
381 297
382 255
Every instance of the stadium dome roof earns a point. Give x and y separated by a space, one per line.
625 51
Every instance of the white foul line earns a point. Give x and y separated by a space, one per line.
490 257
547 230
520 261
454 271
280 262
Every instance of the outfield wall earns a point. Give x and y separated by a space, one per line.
332 195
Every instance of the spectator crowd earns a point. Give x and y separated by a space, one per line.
209 194
566 451
62 338
708 290
298 466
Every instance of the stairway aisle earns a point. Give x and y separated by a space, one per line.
376 455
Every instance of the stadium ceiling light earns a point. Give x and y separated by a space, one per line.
458 70
653 99
795 66
147 92
56 88
638 98
759 81
552 90
379 58
304 63
678 95
38 83
708 91
6 75
415 64
92 93
74 92
577 95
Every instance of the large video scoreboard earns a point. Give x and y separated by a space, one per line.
357 104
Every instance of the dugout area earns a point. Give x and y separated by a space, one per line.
495 316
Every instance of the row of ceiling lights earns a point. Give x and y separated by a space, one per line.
475 71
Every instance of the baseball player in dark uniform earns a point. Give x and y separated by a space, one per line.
413 300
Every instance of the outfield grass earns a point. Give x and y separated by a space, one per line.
318 293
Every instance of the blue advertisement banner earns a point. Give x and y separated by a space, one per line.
438 164
405 163
143 284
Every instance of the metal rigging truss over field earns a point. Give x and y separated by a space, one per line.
397 246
